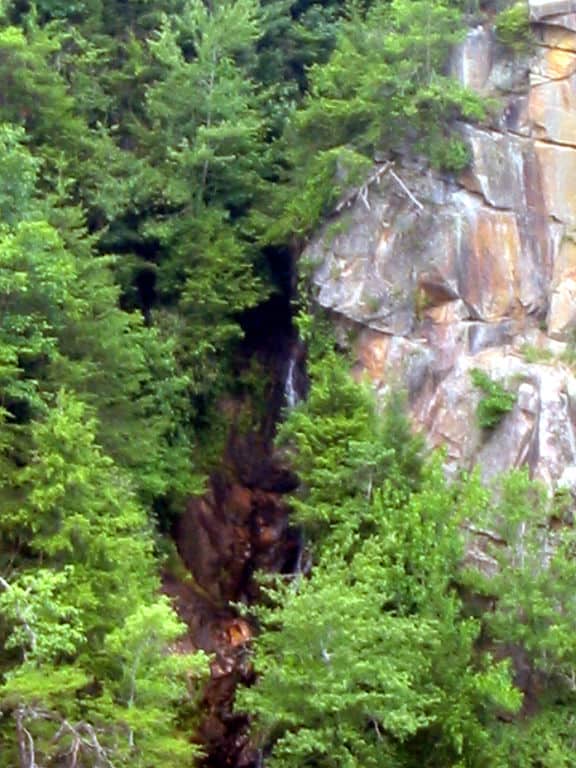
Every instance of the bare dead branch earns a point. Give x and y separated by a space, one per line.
485 533
405 189
83 735
362 192
26 748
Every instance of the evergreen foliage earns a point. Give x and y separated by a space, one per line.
513 28
496 401
372 660
151 153
397 649
381 90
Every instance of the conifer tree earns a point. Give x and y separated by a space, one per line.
90 676
371 660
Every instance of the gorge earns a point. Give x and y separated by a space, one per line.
428 277
287 383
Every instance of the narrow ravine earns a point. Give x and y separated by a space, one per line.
240 526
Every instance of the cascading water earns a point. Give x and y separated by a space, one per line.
242 526
295 377
290 392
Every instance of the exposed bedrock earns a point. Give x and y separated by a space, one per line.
476 271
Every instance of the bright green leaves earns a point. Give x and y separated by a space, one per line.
80 510
149 682
329 434
90 607
341 679
344 451
37 275
45 627
371 660
18 178
496 400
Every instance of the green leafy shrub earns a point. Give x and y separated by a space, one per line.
513 28
497 400
449 154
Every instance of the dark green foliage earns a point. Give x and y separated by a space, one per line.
91 407
496 401
382 89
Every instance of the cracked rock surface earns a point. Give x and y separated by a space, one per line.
481 274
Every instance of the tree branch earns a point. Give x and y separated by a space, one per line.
405 189
361 193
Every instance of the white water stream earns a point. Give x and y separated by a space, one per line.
291 395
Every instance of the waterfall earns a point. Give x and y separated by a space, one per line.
299 556
291 395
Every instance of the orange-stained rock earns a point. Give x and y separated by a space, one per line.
238 502
372 350
558 171
552 64
557 37
552 110
488 264
239 632
481 266
565 262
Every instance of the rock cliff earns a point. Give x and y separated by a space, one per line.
429 276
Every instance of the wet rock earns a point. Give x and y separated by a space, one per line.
473 59
240 526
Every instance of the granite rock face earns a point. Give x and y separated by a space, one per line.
476 271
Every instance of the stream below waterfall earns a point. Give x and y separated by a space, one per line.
240 526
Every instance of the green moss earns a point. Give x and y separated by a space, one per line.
534 354
448 154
